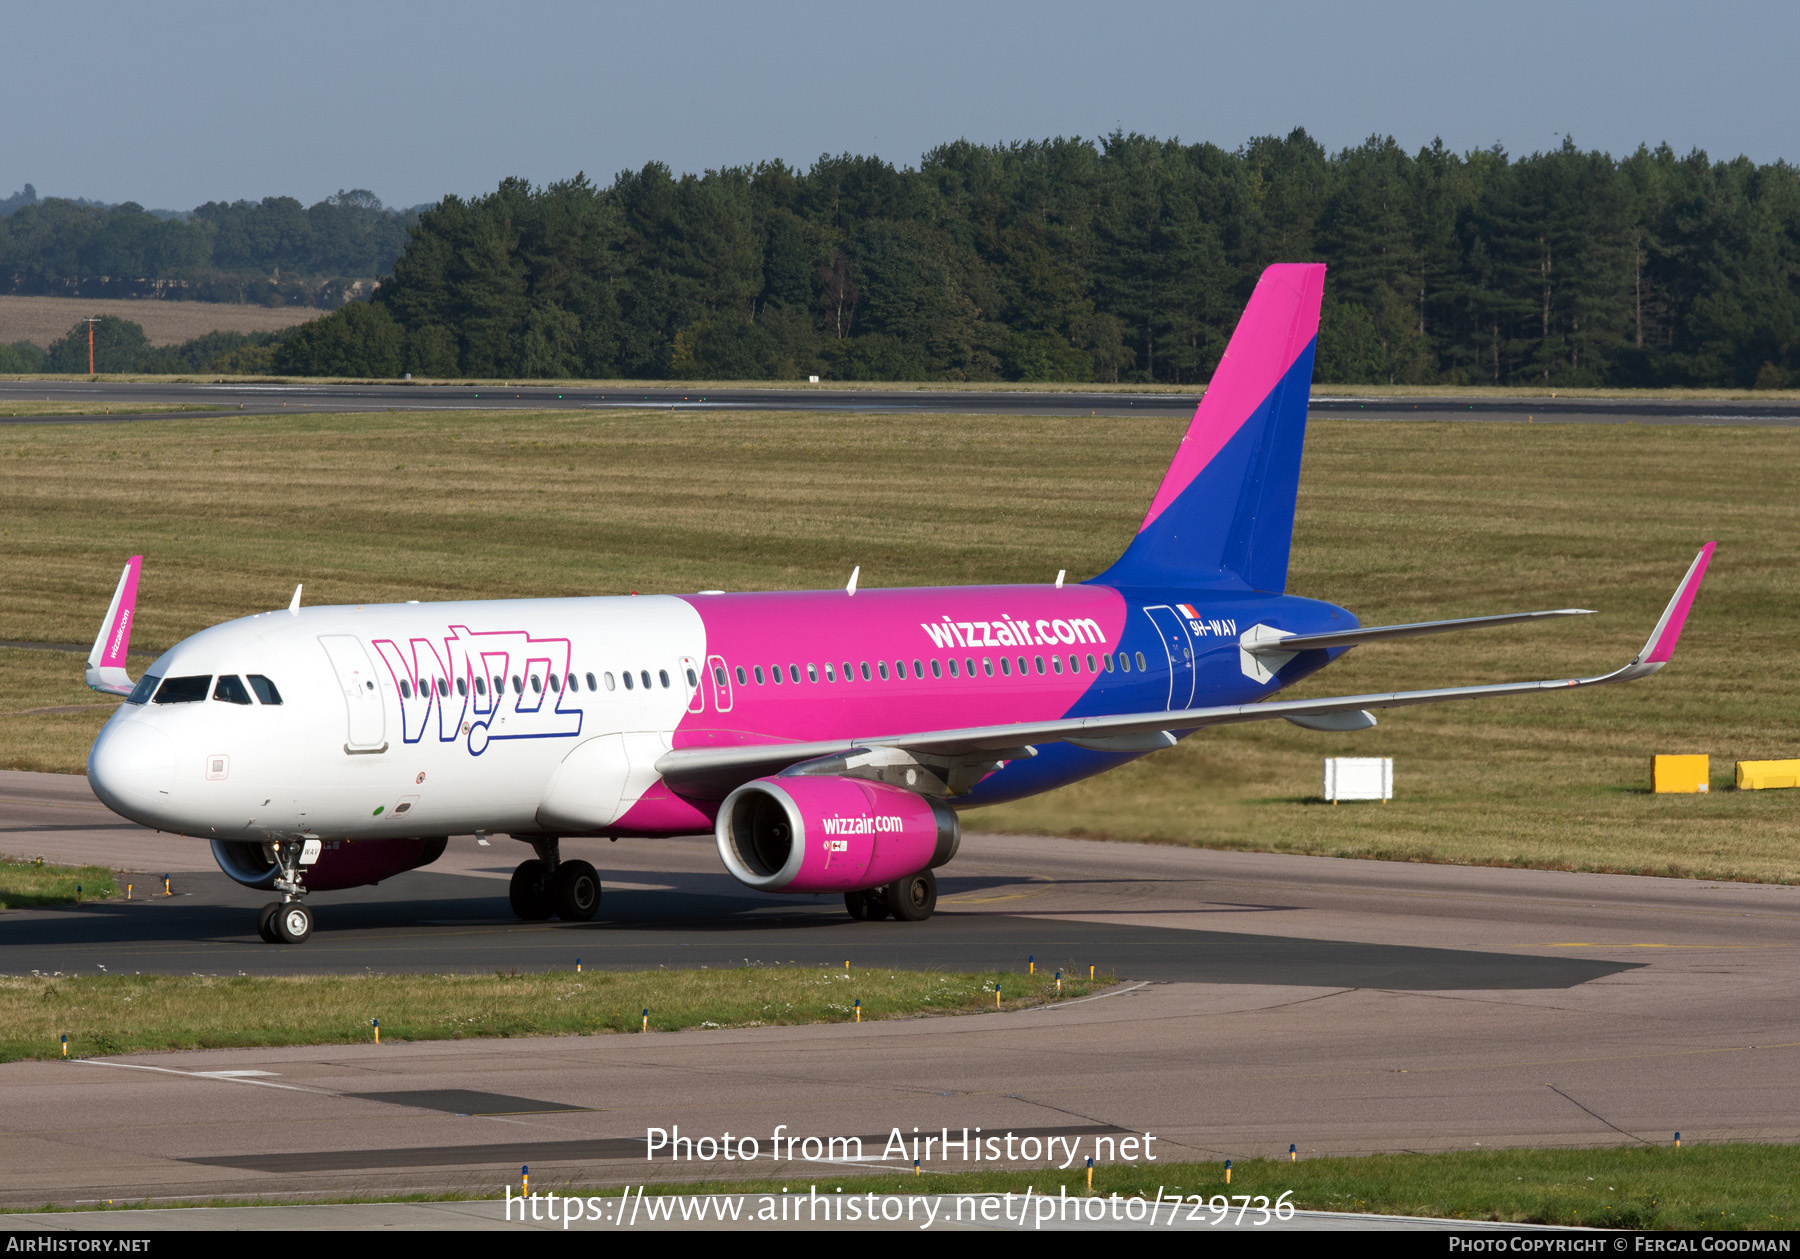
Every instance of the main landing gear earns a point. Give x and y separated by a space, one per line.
288 920
546 887
912 899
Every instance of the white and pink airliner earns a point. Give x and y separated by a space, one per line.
829 739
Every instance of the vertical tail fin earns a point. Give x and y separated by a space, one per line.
1224 514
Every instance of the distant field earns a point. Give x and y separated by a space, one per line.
42 320
1400 522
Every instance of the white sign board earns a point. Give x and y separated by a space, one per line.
1359 778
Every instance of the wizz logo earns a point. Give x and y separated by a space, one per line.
482 686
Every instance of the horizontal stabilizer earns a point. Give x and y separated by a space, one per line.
1263 641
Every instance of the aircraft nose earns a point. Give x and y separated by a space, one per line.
132 767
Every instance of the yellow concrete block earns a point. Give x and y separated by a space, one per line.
1680 773
1761 775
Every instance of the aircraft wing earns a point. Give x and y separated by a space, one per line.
709 768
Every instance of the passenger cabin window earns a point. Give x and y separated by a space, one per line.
265 689
518 687
719 675
230 689
695 681
793 673
1056 664
480 686
865 670
145 688
937 668
405 689
184 690
1124 663
590 681
953 666
1140 662
1106 663
462 687
1005 667
609 681
812 672
1090 661
644 677
537 687
918 668
662 676
849 673
881 668
740 676
759 675
969 667
628 683
554 683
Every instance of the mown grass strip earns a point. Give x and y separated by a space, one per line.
33 884
114 1014
1698 1187
1644 1186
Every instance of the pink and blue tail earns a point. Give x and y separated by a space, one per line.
1224 515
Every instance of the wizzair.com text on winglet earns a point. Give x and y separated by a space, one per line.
829 739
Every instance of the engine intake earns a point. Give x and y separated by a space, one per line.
825 834
339 866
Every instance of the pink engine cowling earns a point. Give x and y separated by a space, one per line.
340 865
823 834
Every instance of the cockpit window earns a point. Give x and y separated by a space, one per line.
265 689
230 689
146 687
184 690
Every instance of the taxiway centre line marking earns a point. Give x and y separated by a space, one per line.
205 1075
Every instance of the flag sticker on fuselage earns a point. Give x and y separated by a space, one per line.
1010 632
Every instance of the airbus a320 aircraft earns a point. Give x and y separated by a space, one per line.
828 739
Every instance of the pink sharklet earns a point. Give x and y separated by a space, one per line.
1279 323
1664 647
118 638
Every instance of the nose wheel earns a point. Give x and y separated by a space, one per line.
286 921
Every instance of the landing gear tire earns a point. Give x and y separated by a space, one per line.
863 906
529 891
293 922
914 898
575 891
265 922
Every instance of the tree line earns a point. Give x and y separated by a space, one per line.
275 251
1123 259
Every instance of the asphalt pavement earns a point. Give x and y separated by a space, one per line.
275 399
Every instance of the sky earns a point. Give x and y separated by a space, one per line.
188 101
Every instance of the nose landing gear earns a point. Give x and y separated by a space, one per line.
546 886
288 920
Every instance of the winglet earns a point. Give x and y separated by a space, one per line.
106 662
1662 641
294 603
856 572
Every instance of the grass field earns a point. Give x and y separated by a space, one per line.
112 1014
10 407
26 884
1399 522
42 320
1711 1187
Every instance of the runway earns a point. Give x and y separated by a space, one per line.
1344 1006
276 399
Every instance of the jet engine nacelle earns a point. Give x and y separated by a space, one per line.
823 834
339 865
